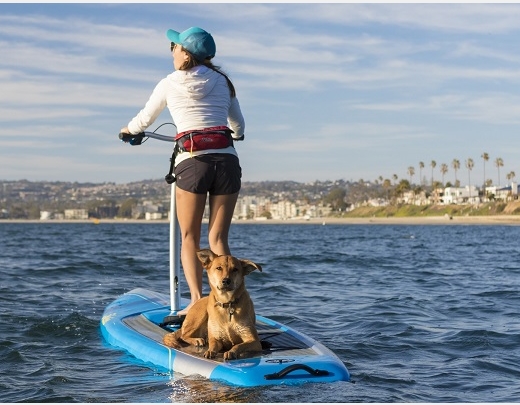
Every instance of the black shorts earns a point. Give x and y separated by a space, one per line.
213 173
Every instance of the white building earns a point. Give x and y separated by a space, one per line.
409 197
45 215
503 193
151 216
76 214
283 210
460 195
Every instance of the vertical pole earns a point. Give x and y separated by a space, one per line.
175 262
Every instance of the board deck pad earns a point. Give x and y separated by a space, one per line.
279 342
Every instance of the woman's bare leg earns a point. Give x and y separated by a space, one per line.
221 208
190 209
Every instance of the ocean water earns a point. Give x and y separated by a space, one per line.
416 313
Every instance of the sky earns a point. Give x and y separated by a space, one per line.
329 91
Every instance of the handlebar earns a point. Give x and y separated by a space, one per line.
137 139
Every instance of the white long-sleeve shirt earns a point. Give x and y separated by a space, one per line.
197 98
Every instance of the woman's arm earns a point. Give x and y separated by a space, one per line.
153 107
236 119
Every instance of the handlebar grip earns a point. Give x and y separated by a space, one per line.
124 136
131 138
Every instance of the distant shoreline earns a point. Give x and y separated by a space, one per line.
439 220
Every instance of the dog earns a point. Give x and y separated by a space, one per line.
225 319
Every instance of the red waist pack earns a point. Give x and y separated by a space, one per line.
202 139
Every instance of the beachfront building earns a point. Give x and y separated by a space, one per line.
412 198
283 210
503 193
45 215
76 214
153 216
461 195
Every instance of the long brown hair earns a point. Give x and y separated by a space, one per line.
192 62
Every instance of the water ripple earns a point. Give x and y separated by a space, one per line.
417 313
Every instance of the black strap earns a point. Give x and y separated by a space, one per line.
170 177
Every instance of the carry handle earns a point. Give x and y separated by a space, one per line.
282 373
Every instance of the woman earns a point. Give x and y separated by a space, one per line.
200 98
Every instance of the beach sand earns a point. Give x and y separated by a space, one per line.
440 220
461 220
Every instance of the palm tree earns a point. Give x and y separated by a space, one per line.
499 162
444 170
433 164
469 166
436 186
485 157
421 166
386 186
411 172
456 166
511 176
403 186
395 178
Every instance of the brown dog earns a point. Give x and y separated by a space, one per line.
226 318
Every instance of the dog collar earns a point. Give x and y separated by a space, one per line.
229 305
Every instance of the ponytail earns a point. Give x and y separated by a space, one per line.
192 62
210 65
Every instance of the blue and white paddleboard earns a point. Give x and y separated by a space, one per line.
132 322
135 322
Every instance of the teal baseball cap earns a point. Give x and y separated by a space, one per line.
196 41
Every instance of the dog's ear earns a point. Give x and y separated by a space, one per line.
249 266
206 256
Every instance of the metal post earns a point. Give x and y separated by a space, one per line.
175 262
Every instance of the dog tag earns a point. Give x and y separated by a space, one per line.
231 312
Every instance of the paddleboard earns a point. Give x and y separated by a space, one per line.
133 322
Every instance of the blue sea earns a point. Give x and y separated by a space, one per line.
417 313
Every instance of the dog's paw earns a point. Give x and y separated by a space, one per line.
199 342
210 354
230 355
171 340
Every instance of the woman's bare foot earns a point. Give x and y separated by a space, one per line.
184 312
